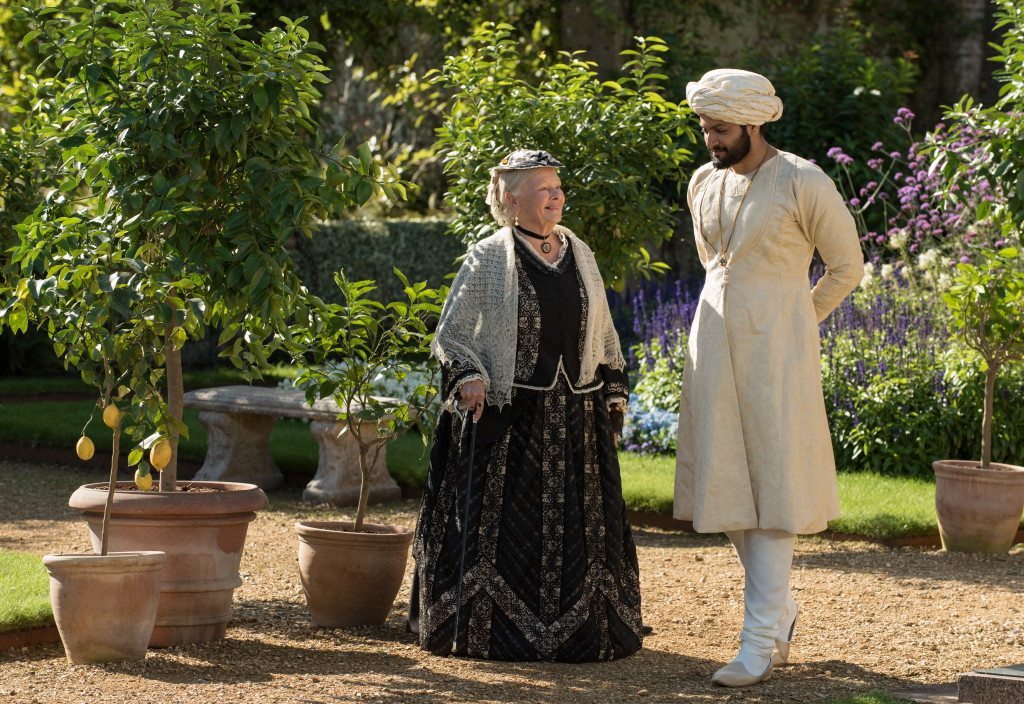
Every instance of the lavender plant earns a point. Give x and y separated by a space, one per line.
897 392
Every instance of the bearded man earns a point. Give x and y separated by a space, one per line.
755 456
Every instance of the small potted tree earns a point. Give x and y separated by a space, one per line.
979 504
351 571
105 604
189 161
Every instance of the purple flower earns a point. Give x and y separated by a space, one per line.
903 116
877 146
855 202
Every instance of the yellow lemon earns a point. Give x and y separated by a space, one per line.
160 454
111 416
143 481
85 448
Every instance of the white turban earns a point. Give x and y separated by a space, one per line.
735 96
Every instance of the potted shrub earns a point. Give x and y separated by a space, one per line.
979 504
351 571
105 604
189 161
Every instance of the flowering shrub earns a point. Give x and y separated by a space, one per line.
898 393
903 212
661 373
649 429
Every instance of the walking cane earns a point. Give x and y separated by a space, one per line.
465 528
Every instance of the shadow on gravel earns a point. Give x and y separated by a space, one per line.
916 565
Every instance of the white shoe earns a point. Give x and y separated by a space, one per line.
735 675
787 624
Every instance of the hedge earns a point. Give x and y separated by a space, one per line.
370 249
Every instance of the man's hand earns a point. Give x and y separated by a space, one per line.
472 395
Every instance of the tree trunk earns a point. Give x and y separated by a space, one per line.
971 48
175 405
599 28
986 418
109 505
364 488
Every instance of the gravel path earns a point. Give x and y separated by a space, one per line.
873 618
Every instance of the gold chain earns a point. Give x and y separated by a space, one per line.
722 255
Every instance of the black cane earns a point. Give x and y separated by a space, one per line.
465 529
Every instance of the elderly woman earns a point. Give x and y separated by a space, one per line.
528 350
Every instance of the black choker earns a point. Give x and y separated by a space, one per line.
545 247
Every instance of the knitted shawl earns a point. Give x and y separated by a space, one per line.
480 318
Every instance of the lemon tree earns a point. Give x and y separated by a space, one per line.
189 158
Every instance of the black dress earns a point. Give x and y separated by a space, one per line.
551 569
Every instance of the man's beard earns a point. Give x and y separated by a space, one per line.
734 154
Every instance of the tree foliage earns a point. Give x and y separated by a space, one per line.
188 160
619 140
360 340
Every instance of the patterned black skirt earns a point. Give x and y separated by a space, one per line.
550 569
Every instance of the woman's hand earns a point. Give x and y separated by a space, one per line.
472 395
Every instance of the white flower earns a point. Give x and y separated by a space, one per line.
887 272
928 259
945 281
899 239
868 280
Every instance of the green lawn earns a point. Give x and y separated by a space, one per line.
24 592
873 505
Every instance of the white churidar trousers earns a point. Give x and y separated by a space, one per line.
767 558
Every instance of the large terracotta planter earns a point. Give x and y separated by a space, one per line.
351 579
202 529
105 606
979 510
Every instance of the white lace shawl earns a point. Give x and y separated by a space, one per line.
480 319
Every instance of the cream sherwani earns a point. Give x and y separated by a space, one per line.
754 444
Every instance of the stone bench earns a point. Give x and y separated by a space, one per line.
238 421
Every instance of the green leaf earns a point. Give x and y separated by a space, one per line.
364 191
365 158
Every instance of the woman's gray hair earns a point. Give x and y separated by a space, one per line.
503 182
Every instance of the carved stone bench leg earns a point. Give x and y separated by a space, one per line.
238 449
337 473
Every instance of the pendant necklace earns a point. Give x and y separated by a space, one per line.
545 245
723 255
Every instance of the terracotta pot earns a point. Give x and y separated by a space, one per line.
979 510
351 579
202 530
105 605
